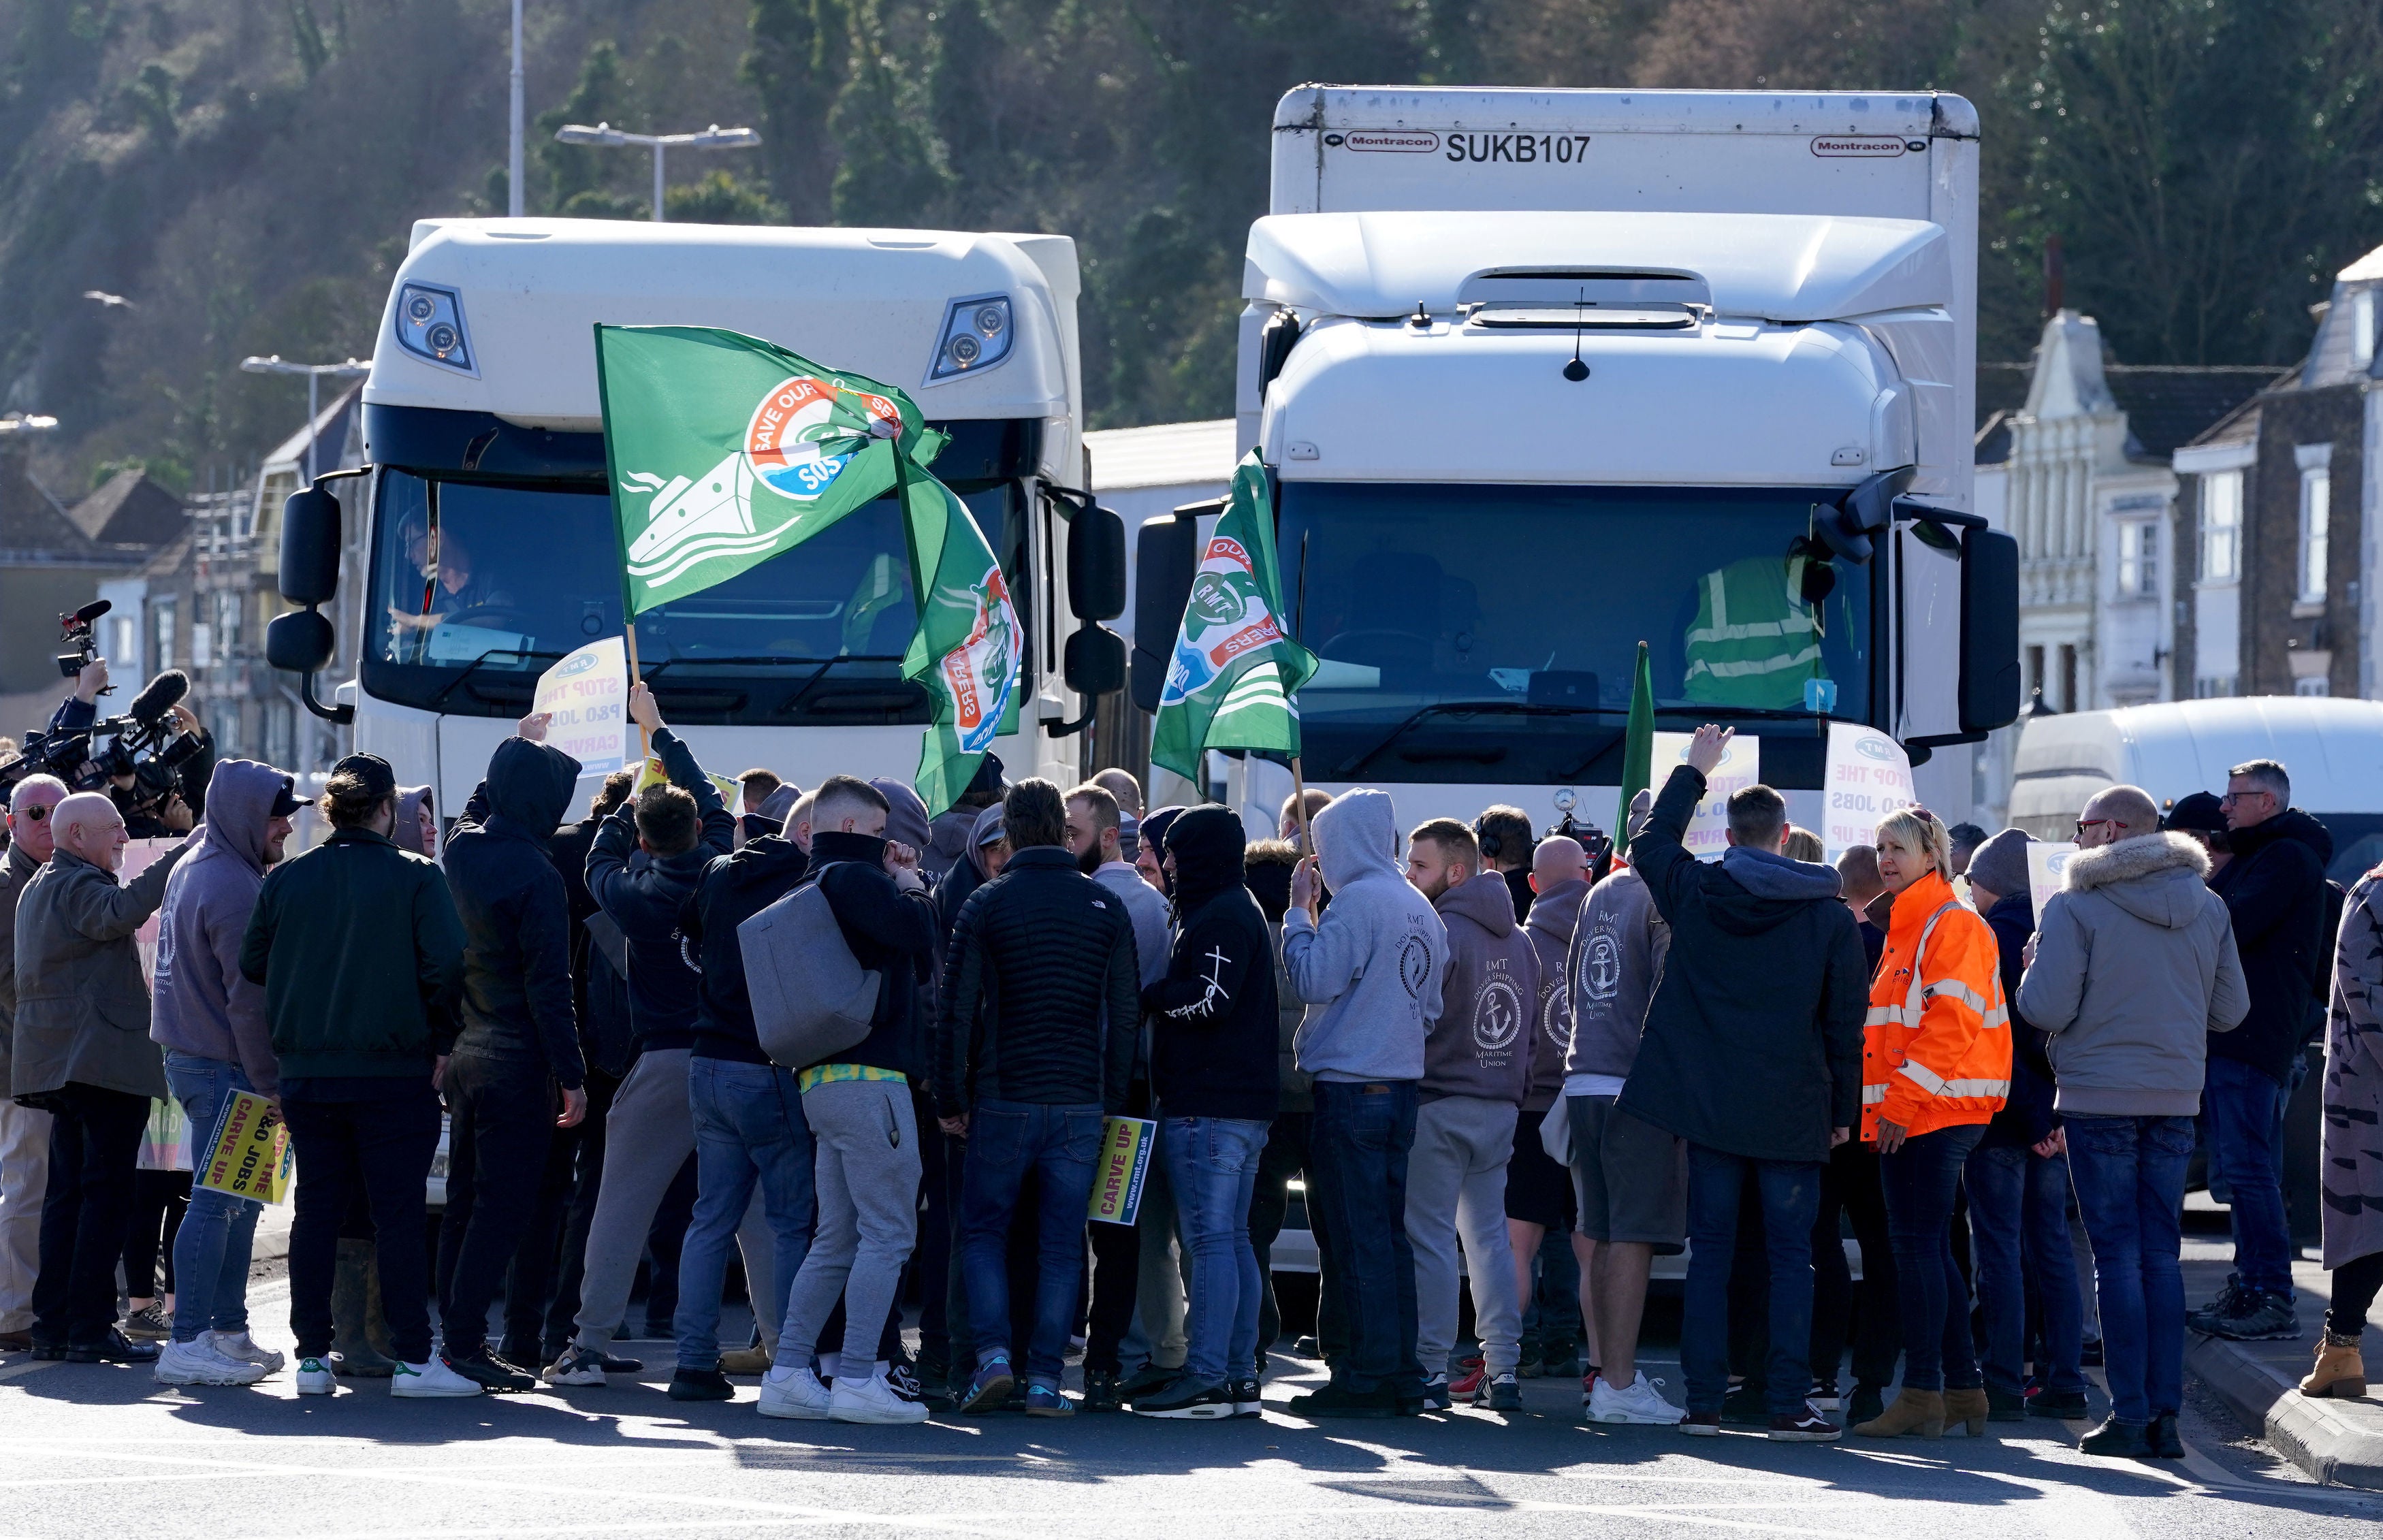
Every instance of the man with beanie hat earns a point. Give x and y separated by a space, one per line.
1213 1073
520 1043
2202 817
1373 964
1477 1069
2017 1180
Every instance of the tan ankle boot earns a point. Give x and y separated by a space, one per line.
2339 1371
1920 1412
1967 1405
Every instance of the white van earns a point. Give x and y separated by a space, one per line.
2333 750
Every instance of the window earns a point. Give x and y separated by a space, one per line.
2036 682
227 623
203 645
2138 560
2316 518
2067 676
2221 527
2361 329
161 615
2212 688
2314 685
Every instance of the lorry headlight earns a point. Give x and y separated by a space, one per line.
975 336
430 325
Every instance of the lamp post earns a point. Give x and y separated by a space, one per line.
713 137
276 365
514 150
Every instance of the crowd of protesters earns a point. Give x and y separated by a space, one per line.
1504 1065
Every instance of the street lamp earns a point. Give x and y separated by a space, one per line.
713 137
24 425
314 373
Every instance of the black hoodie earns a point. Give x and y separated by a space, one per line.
2274 888
1213 1017
732 890
1753 1039
893 933
516 916
643 895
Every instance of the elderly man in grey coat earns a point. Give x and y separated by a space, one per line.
83 1052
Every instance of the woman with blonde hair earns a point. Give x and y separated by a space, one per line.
1936 1068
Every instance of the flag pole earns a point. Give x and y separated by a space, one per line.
636 675
1299 802
620 541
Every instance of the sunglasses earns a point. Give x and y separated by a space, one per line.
34 815
2083 824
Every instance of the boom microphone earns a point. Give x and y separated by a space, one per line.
92 611
159 695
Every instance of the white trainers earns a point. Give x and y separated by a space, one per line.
871 1399
243 1348
1640 1403
198 1362
314 1377
433 1378
794 1393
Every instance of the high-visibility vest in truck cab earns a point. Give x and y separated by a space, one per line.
1753 641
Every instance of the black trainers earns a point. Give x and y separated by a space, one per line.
2229 1300
2166 1441
2005 1406
1307 1346
2119 1440
700 1385
1147 1380
1100 1391
2065 1406
1248 1399
1867 1404
2258 1315
1335 1401
1187 1399
2090 1355
904 1382
488 1370
1746 1407
114 1348
1806 1426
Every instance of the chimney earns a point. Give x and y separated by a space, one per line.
2054 279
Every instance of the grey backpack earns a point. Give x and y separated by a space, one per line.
811 998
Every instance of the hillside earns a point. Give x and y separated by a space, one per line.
243 172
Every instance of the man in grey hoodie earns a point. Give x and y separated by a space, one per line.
1476 1068
2132 968
1372 966
211 1021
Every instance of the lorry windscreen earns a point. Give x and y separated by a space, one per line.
477 588
1488 632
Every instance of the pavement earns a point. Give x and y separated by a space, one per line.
99 1450
2332 1440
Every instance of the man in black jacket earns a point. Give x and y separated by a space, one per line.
2275 890
751 1142
1041 1003
858 1105
643 864
1753 1055
519 1042
1214 1073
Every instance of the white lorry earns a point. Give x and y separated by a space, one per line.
492 548
1538 375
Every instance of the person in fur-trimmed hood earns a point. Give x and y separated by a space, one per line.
2132 967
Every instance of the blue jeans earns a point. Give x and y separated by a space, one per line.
1007 1140
2246 1112
2130 1177
1357 1176
2019 1230
748 1128
211 1248
1213 1162
1791 1200
1919 1180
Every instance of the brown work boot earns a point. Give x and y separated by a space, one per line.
2340 1370
1920 1412
745 1361
1968 1406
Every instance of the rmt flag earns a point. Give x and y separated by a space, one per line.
1235 678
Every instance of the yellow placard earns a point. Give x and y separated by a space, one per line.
650 773
1122 1167
251 1158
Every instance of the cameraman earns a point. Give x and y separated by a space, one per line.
152 812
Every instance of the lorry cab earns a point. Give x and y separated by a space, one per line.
1539 375
492 549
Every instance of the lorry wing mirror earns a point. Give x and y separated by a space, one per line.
1094 662
310 546
1166 555
1095 564
300 642
1990 671
1845 526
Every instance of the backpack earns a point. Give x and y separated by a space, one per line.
811 998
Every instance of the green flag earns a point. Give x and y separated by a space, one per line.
1638 749
1235 679
726 450
966 650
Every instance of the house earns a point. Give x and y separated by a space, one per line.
2281 499
52 564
